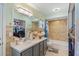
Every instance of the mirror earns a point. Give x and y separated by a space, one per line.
19 28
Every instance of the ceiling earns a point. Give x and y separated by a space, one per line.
46 9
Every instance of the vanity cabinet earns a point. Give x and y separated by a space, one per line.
45 46
15 52
41 48
27 52
38 49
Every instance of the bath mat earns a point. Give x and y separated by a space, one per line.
53 50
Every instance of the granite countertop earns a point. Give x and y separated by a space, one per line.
25 45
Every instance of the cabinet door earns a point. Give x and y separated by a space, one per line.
45 46
15 53
41 49
36 50
27 52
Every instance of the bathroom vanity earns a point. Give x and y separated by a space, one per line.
36 47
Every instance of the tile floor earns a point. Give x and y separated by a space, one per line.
60 53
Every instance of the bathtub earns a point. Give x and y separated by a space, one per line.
57 44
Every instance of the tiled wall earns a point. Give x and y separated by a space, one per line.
58 29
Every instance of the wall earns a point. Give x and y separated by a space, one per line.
58 29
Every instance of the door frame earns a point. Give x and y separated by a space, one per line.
3 7
1 37
4 29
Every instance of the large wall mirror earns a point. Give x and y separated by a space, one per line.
19 28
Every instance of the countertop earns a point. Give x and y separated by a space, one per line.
25 45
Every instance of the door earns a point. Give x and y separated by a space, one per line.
1 47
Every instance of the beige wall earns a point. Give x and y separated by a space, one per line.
10 39
34 25
58 29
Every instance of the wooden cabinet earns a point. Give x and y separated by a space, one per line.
38 49
45 46
41 50
27 52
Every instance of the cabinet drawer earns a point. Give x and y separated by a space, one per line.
27 52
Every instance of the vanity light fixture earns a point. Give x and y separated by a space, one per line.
24 11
